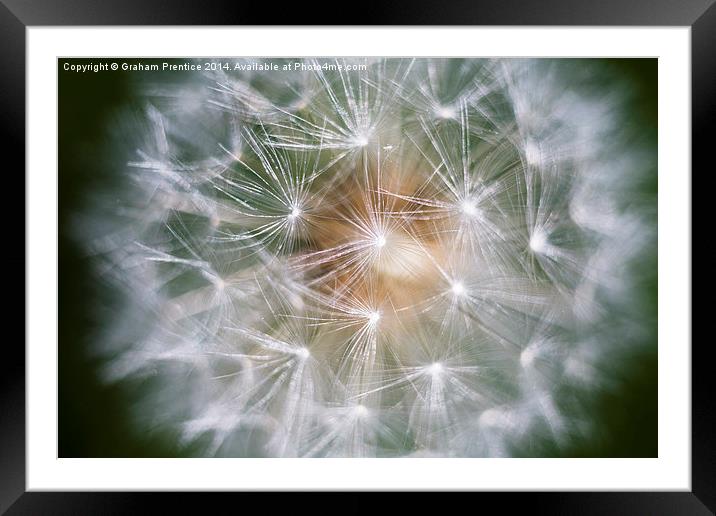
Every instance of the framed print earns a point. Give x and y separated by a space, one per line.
359 258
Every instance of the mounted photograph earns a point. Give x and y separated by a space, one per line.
357 257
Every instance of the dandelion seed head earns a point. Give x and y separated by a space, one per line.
328 335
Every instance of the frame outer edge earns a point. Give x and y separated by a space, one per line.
12 364
703 112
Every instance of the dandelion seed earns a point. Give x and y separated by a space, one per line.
361 141
360 412
532 153
446 112
295 213
527 357
435 369
469 208
458 288
538 242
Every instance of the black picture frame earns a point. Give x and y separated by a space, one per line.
17 15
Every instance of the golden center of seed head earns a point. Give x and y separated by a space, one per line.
377 244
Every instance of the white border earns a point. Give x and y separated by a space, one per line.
670 471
